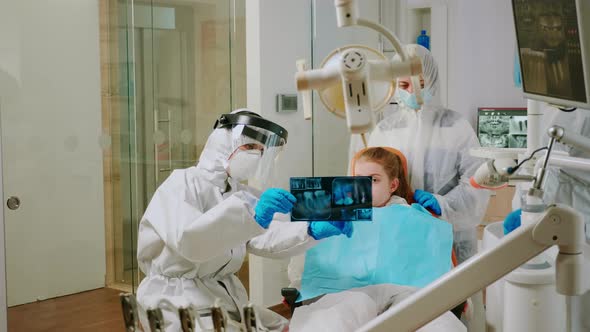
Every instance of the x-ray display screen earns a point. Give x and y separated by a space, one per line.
342 198
502 127
548 37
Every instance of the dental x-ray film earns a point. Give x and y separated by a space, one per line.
342 198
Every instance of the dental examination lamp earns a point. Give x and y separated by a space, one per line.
355 81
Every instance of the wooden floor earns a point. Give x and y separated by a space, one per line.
97 310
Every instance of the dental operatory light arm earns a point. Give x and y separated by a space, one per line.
355 72
559 134
568 138
497 173
558 225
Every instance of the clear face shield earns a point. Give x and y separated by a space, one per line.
256 145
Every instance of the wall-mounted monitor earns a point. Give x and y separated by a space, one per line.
553 39
502 127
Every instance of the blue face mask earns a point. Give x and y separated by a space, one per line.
409 99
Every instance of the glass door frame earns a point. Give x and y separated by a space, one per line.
3 306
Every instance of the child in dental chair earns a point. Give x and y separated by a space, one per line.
357 293
388 168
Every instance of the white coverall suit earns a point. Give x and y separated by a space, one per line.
195 234
436 142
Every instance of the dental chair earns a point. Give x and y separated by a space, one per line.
207 319
291 295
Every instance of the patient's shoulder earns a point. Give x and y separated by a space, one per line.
396 200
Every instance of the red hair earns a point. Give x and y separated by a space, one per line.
394 163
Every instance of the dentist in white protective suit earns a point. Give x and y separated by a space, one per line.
202 220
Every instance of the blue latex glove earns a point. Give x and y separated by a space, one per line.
512 221
323 229
272 201
427 200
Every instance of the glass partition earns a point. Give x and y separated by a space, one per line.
99 101
187 66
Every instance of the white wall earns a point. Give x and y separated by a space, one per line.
277 34
481 50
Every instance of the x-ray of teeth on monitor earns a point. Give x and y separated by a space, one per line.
502 127
332 198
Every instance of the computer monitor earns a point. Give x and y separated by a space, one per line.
502 127
553 39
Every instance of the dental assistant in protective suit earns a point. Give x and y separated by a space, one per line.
436 143
201 221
